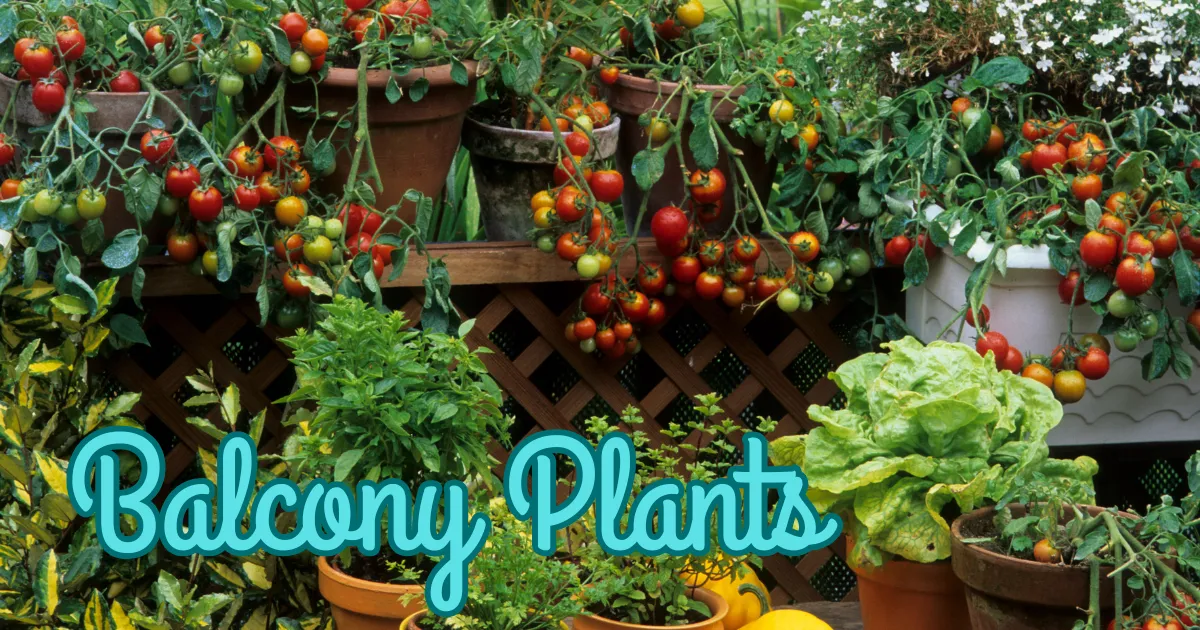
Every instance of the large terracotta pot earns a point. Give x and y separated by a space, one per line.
902 595
634 96
364 605
510 165
414 143
117 113
1006 593
717 605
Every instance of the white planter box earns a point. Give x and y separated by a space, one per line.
1120 408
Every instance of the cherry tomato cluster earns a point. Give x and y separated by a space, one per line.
574 113
609 309
1067 369
411 15
671 25
309 45
1183 614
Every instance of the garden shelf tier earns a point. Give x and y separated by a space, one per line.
1120 408
764 364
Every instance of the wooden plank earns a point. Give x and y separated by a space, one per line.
790 579
666 391
532 356
468 264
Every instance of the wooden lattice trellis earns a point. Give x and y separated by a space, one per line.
764 364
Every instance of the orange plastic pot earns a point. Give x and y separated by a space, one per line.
634 96
903 595
414 142
365 605
717 622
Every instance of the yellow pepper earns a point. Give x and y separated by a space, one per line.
745 594
788 620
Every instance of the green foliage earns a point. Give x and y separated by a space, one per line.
923 426
513 588
650 590
391 401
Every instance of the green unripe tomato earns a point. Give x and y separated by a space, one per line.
823 282
28 213
826 191
247 57
806 303
300 62
1127 339
333 228
545 243
230 84
788 300
421 46
1121 305
91 203
758 135
180 74
584 123
313 222
46 202
833 267
953 167
67 213
858 262
1148 326
168 206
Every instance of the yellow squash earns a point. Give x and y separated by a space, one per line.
788 620
745 594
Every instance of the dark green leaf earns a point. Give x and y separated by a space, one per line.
458 73
393 91
647 167
139 281
1008 70
1187 277
1097 287
815 223
1092 214
279 44
703 138
1154 365
123 251
128 329
916 268
978 133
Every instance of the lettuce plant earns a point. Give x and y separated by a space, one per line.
925 429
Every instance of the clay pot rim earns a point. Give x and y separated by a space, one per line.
1002 560
410 623
336 574
172 94
937 577
719 612
438 76
643 84
537 135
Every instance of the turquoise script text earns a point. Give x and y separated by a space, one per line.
329 516
656 522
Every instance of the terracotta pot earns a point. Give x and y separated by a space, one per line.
510 165
118 113
414 143
902 595
1006 593
634 96
365 605
717 605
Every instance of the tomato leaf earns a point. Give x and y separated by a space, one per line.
122 251
1002 70
458 73
647 167
393 91
419 89
8 23
1130 173
869 204
1092 214
916 268
966 238
263 297
815 223
977 134
211 22
1181 363
139 281
703 139
1155 364
279 44
1187 277
1097 287
128 329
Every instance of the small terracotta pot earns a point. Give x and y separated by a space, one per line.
1006 593
365 605
414 143
510 165
717 605
634 96
902 595
119 113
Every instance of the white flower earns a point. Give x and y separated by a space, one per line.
1045 44
1044 64
997 38
1125 89
1105 36
1102 79
922 7
896 61
880 4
